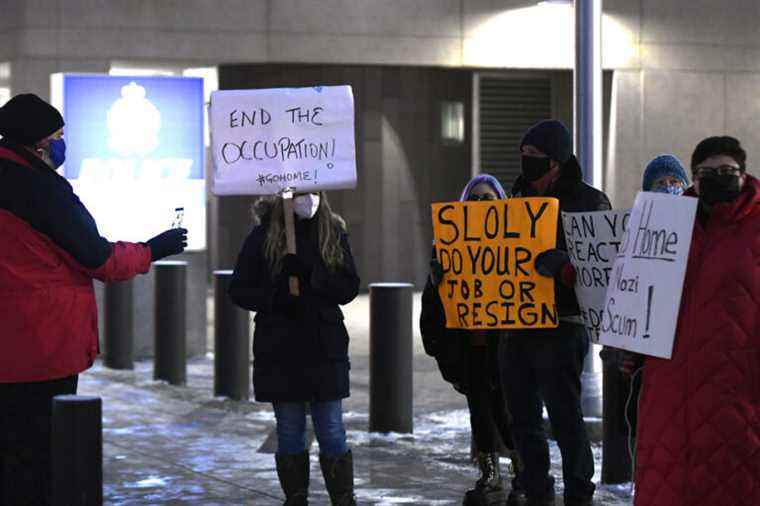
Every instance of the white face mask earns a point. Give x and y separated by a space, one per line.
305 206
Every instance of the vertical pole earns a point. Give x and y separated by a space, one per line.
390 358
588 145
119 326
77 451
588 142
231 342
170 361
588 89
290 233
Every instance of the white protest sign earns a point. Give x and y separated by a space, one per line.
593 242
642 302
263 141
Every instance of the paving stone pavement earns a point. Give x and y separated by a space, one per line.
167 445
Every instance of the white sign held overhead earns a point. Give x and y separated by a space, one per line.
263 141
593 242
641 307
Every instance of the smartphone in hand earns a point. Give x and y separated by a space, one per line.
179 214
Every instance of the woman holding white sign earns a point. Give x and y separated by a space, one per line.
663 174
300 345
468 360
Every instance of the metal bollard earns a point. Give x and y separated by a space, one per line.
232 376
77 451
616 461
119 326
591 383
390 357
170 360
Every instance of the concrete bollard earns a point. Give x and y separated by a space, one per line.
119 326
232 377
77 451
170 360
390 358
591 383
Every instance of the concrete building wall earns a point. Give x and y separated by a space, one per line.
683 69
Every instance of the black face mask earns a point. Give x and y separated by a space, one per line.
719 188
534 168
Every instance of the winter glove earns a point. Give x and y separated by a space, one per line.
294 266
286 304
171 242
627 362
567 275
436 272
630 362
551 262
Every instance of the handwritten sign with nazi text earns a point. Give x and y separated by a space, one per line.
644 296
593 242
265 140
488 250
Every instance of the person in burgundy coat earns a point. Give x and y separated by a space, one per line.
698 438
50 251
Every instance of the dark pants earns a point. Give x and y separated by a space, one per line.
25 419
488 414
545 366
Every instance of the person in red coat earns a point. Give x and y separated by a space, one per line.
698 438
50 251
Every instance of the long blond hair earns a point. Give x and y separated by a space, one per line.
329 224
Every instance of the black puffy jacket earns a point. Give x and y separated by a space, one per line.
451 347
299 356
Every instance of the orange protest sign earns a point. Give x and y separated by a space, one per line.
487 250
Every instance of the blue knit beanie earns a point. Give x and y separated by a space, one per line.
552 138
663 165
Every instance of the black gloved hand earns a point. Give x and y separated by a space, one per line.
436 272
294 266
550 262
171 242
286 303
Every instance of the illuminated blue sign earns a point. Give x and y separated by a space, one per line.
135 151
141 125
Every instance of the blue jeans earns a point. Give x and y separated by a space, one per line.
327 418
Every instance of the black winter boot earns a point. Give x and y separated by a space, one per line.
339 478
517 493
488 489
293 472
545 500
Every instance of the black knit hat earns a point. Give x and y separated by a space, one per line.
722 145
26 119
552 138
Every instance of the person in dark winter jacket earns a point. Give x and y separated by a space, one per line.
663 174
300 344
468 360
698 439
543 366
50 251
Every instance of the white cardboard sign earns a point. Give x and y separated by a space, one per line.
593 242
263 141
643 299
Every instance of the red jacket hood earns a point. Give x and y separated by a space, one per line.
743 206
